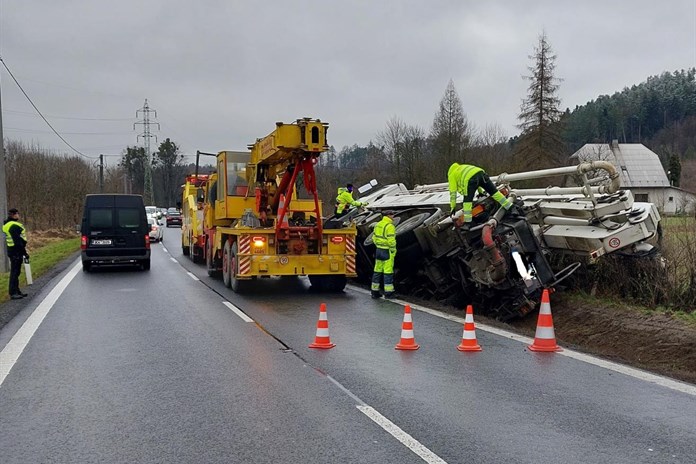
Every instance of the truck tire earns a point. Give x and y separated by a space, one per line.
185 249
404 229
145 264
227 264
328 283
237 285
86 266
209 261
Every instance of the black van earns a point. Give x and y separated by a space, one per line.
115 231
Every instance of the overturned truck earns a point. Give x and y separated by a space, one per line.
502 261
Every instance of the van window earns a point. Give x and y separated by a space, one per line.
100 218
128 218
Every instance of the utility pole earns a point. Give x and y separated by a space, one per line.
101 173
3 194
146 136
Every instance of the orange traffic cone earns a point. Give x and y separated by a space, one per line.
322 339
408 342
545 337
469 342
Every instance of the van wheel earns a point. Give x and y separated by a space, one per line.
86 266
145 264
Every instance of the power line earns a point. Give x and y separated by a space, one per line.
27 113
32 131
40 114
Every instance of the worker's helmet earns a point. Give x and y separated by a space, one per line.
388 212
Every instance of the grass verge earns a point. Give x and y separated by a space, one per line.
43 259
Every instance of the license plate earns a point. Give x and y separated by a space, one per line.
101 242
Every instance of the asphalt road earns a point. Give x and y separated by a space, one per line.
132 366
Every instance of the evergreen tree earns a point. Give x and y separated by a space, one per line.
169 163
674 170
450 134
540 144
133 161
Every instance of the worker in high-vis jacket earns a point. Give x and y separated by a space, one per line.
467 179
344 200
384 238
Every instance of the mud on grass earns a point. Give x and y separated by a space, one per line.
653 341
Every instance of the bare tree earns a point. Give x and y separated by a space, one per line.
491 150
412 156
391 139
540 144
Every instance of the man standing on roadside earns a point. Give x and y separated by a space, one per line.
16 240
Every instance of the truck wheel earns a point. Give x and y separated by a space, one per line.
227 265
184 248
209 261
86 266
237 285
192 250
404 230
336 283
145 264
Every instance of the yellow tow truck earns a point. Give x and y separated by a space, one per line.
262 214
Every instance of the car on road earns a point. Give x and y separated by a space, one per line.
156 230
151 211
173 218
114 231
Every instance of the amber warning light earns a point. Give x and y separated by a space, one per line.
336 240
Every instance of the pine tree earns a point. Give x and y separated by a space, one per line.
674 170
450 133
541 144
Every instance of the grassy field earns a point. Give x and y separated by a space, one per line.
43 259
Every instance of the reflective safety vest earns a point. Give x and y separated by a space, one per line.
343 199
6 229
385 234
458 178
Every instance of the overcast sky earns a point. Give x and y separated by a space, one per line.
221 73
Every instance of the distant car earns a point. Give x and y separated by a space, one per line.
156 230
151 211
173 218
172 210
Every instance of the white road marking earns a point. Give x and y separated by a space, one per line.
15 347
192 276
630 371
164 249
174 260
407 440
238 311
394 430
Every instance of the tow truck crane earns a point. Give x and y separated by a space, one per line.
262 214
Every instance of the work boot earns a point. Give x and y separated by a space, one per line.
375 295
16 297
22 294
389 295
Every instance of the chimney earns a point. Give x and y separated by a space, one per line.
615 144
